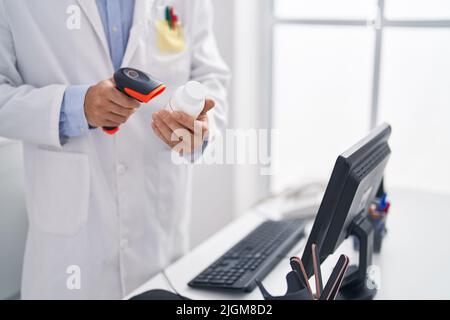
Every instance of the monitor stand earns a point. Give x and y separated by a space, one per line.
356 285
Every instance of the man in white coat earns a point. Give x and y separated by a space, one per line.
105 212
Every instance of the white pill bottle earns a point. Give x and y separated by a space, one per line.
189 99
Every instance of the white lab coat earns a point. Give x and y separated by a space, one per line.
117 207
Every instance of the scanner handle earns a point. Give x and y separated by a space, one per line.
137 85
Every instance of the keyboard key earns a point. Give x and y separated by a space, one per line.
217 281
201 281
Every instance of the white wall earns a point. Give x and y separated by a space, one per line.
251 98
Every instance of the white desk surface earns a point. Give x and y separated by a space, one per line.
414 262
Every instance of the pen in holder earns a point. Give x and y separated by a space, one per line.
377 215
298 287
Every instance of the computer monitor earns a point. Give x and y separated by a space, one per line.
355 180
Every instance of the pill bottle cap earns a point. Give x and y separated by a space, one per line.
194 93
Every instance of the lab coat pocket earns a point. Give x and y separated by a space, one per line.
60 192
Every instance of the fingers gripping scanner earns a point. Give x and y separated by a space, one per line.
138 85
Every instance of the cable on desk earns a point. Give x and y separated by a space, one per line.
169 282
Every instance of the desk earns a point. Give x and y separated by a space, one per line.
409 267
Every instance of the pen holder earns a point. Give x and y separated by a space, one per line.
379 227
295 289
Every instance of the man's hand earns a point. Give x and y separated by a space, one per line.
180 131
105 106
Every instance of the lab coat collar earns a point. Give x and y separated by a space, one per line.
91 11
142 16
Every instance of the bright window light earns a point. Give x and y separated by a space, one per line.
415 100
322 87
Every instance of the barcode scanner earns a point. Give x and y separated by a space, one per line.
138 85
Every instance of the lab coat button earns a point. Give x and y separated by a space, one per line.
121 169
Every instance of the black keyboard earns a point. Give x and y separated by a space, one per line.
252 257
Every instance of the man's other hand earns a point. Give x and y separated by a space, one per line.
180 131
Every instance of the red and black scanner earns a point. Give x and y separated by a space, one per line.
138 85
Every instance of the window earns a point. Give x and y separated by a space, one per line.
324 9
339 67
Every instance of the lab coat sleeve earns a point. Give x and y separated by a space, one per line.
27 113
209 68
